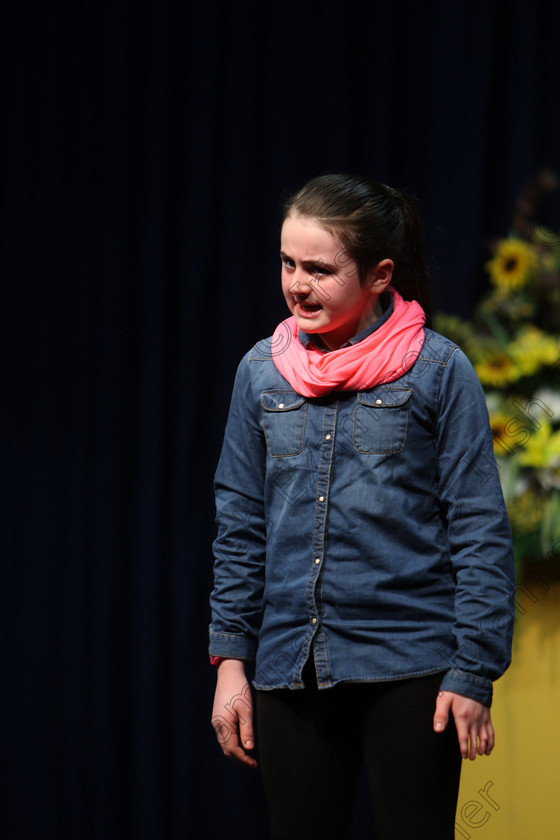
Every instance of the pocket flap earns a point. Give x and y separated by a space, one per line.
385 397
281 400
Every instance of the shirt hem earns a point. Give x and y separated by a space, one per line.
321 685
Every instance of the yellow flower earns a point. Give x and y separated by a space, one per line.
533 349
525 513
512 265
497 369
542 449
498 423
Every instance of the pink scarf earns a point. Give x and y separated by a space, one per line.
383 356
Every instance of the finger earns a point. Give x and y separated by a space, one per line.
488 740
473 748
462 736
237 753
230 746
491 739
246 730
484 732
482 740
441 716
484 737
226 733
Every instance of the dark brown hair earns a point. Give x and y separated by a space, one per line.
373 222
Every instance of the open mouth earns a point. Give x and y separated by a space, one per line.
308 310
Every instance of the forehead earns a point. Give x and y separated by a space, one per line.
306 238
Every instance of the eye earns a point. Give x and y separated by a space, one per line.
320 270
287 261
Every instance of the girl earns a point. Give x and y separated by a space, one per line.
363 554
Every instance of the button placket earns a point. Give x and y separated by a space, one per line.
321 508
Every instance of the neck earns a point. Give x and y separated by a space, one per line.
335 339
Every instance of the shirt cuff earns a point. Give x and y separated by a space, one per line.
469 685
230 646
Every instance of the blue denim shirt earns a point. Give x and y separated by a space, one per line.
367 529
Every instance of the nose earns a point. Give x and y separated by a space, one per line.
301 283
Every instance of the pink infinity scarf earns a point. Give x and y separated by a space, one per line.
383 356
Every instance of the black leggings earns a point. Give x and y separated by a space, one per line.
312 745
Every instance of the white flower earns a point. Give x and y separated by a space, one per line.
551 399
494 401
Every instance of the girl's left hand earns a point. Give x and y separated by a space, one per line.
472 721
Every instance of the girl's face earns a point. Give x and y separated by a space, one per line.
321 284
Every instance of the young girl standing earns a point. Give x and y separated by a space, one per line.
363 556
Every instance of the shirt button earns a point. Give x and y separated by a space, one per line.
317 561
377 402
327 437
313 621
321 498
280 405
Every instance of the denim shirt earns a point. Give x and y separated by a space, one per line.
366 529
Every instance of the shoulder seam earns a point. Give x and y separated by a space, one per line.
442 361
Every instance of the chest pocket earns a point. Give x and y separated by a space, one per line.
381 420
284 422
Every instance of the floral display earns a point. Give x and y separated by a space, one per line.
513 341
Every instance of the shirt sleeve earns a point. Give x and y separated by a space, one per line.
479 535
239 547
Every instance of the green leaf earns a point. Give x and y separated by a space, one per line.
498 331
550 530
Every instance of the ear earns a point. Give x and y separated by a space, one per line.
379 277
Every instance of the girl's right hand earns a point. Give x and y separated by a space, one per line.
232 713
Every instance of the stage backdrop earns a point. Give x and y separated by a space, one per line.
145 151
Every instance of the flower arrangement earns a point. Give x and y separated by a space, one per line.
513 341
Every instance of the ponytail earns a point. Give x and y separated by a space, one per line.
413 282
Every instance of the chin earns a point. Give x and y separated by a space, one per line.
310 325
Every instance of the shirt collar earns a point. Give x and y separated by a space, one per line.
315 339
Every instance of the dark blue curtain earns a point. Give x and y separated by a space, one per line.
145 150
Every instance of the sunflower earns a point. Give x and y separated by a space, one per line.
497 369
498 423
512 265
